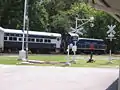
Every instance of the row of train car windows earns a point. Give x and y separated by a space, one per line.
20 35
29 39
11 34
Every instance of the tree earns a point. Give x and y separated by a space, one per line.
60 23
11 13
38 16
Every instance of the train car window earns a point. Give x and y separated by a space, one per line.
20 39
28 39
49 40
41 40
17 35
87 42
58 39
15 38
10 38
20 35
14 34
6 34
32 39
37 40
40 36
11 34
5 38
45 40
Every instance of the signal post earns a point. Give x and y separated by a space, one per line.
111 33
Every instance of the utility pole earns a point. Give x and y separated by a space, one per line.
24 22
27 35
22 53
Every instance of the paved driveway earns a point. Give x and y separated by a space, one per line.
56 78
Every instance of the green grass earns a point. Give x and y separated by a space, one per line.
59 58
101 61
8 60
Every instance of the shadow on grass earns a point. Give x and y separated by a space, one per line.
113 86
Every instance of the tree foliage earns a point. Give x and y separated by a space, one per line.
11 13
38 16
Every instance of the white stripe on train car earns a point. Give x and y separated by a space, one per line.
90 39
73 34
32 32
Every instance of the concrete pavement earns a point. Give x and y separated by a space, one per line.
56 78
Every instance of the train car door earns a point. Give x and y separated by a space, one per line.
1 40
58 44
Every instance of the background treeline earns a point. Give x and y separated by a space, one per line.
57 16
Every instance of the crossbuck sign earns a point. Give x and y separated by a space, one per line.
78 31
111 30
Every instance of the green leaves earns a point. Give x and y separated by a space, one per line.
11 13
38 17
60 23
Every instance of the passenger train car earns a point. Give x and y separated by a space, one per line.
84 45
11 39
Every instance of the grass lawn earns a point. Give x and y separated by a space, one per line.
101 60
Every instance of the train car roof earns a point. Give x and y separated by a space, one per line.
1 29
73 34
90 39
32 32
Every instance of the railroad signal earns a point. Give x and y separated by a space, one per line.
111 35
111 32
78 30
